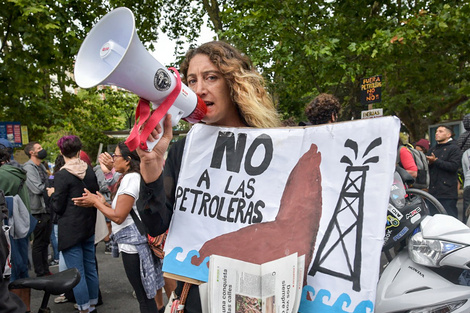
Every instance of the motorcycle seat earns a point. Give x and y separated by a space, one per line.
55 284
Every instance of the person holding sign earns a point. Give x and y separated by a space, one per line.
235 95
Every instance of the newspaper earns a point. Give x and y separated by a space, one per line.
236 286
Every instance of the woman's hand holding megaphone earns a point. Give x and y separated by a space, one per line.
151 162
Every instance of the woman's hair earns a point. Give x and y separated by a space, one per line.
69 146
59 162
134 164
131 156
321 108
247 87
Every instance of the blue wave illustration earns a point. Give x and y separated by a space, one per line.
184 268
343 301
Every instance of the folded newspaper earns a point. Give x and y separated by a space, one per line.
235 286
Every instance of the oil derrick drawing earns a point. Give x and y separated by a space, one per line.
335 256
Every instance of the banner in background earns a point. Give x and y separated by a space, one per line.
12 132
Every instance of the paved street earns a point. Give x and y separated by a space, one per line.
115 288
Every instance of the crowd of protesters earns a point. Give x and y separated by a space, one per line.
76 206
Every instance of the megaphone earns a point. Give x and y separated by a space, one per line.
112 54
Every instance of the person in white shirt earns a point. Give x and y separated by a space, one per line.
142 269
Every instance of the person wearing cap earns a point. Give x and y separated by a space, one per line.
422 145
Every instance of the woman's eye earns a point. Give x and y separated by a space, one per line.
211 77
191 82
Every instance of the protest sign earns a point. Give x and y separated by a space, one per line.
371 90
257 195
12 132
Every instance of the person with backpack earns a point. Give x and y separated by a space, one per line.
12 182
9 301
422 145
405 160
422 178
419 159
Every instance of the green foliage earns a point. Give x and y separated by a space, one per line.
39 42
420 48
302 48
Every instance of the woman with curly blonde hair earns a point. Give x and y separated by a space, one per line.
235 96
246 85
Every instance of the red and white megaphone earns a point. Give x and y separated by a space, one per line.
112 54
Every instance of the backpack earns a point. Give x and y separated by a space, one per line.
422 180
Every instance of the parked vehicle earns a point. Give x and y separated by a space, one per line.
51 285
430 268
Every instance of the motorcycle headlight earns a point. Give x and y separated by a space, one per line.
429 252
443 308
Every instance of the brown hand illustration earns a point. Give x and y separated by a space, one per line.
294 229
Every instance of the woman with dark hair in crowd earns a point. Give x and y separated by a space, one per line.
323 109
76 225
142 269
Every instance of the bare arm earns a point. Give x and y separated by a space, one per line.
151 162
118 215
413 174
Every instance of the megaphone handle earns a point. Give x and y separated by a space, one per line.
154 119
151 144
142 113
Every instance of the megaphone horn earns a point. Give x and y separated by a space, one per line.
112 54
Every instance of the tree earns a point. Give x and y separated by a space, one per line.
302 48
421 49
38 44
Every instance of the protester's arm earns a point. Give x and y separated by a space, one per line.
59 197
106 162
151 203
118 215
152 209
408 162
151 162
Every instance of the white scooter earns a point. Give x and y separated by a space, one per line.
432 273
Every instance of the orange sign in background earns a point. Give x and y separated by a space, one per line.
371 89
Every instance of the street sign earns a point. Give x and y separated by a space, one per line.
372 113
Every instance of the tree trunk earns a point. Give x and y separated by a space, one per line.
212 9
